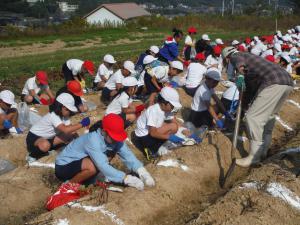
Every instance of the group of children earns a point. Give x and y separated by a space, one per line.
153 79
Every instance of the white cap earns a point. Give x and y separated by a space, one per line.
177 65
149 59
256 38
205 37
109 59
8 97
293 30
285 38
171 95
130 82
128 65
154 49
289 31
219 41
286 57
235 42
279 34
214 74
68 101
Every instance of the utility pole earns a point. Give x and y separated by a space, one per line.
223 7
232 10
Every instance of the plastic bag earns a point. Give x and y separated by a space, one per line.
6 166
91 106
23 119
26 117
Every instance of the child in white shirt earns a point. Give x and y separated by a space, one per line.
105 70
122 103
54 128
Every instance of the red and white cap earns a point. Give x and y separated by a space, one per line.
171 95
128 65
8 97
213 73
109 59
177 65
235 42
42 77
205 37
113 125
68 101
149 59
219 41
154 49
130 82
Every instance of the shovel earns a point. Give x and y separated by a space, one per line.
234 141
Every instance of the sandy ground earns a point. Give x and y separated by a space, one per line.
180 195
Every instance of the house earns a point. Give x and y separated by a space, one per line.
115 13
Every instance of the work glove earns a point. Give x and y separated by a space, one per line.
7 124
19 130
146 177
196 138
240 82
175 139
85 122
133 181
220 124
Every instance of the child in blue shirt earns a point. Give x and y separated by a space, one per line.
91 153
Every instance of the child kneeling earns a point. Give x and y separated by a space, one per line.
152 130
90 154
54 128
122 103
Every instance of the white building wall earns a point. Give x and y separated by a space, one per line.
103 16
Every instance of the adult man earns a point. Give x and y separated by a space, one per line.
267 86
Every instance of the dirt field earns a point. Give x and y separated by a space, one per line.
187 194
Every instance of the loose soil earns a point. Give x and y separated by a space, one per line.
179 197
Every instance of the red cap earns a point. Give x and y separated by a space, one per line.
89 66
270 58
170 38
241 48
192 30
75 88
200 56
285 46
42 77
113 125
248 40
217 50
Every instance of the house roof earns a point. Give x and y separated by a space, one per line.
123 10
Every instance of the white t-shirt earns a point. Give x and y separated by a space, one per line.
46 126
119 102
103 71
266 53
294 51
211 61
202 95
232 93
141 81
289 68
75 66
32 85
116 78
152 117
160 72
194 74
188 40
